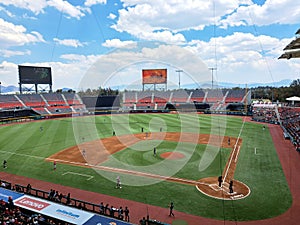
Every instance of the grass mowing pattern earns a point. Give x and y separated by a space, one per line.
25 147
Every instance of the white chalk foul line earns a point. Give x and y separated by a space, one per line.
20 154
237 154
135 173
234 149
79 174
132 172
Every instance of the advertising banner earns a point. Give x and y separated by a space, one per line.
54 210
5 194
154 76
96 219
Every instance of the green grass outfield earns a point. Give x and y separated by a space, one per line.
25 147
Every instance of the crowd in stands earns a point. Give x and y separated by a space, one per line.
290 120
107 210
288 117
120 213
265 113
58 197
11 214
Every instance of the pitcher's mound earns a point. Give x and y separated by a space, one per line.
172 155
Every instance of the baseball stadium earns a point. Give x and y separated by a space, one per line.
149 156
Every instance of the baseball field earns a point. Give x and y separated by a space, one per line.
191 152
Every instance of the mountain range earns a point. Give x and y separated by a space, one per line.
208 84
282 83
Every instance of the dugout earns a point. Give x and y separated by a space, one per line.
17 115
185 107
102 104
237 109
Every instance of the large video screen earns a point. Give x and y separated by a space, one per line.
155 76
35 75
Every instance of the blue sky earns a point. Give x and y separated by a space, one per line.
92 43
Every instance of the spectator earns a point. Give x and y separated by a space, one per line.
106 209
143 221
120 213
50 194
10 203
101 208
111 211
60 197
28 189
68 202
3 184
126 212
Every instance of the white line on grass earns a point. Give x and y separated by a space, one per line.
237 155
134 172
111 169
20 154
235 145
79 174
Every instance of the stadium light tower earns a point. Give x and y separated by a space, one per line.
212 76
179 71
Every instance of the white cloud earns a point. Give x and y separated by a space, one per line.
117 43
112 16
73 57
9 53
16 35
271 12
66 7
162 20
26 16
240 57
123 67
86 60
63 74
69 42
8 73
89 3
243 57
36 6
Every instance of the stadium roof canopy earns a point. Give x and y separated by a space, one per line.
292 50
294 98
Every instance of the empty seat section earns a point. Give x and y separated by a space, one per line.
198 96
32 100
54 99
235 95
180 96
9 102
72 99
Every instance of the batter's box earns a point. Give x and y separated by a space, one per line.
237 196
215 187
